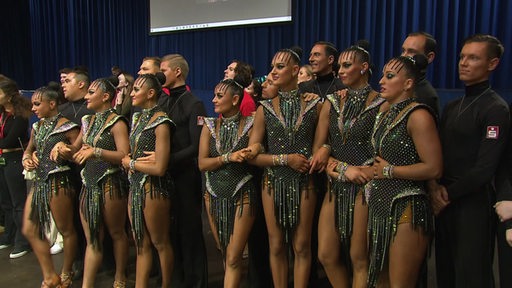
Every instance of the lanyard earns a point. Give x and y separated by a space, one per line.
2 125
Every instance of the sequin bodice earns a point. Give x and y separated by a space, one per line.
226 181
47 133
96 133
290 129
393 143
350 133
143 137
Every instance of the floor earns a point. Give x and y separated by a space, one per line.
25 272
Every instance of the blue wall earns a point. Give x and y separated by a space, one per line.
40 37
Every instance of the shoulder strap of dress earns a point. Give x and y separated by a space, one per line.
405 111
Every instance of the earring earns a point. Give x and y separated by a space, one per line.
362 72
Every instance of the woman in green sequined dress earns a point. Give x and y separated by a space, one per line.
286 126
52 193
230 191
343 139
407 154
102 143
149 202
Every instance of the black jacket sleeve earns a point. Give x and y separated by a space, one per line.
197 112
489 154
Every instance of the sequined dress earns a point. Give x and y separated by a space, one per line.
290 128
143 138
51 177
389 198
232 182
100 176
351 123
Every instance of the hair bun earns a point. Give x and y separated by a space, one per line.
113 80
364 44
54 86
420 61
160 77
298 50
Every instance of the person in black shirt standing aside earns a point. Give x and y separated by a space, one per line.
187 112
474 131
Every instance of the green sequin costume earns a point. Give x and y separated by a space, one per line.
99 176
389 198
350 126
50 176
143 138
290 128
229 184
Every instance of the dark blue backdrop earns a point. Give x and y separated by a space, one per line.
40 37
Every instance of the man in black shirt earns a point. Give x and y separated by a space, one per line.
75 86
323 59
474 130
423 43
187 112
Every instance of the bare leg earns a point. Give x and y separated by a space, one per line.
359 244
211 221
40 247
278 257
144 256
329 246
406 254
158 222
60 205
115 219
93 255
234 250
302 240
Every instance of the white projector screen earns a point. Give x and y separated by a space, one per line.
178 15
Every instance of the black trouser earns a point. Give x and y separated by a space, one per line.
465 239
13 195
190 266
504 257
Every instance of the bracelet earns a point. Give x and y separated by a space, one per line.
327 146
97 152
132 164
225 158
280 160
342 168
387 171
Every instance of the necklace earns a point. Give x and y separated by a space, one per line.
353 107
175 102
96 124
74 109
228 133
460 111
322 95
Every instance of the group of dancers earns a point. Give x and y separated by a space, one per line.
350 175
